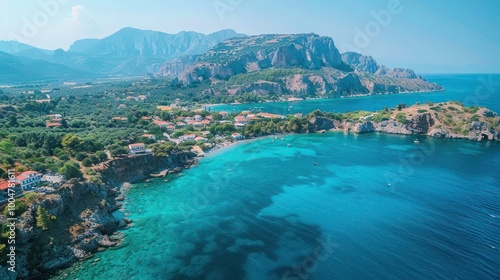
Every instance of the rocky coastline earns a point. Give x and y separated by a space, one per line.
83 219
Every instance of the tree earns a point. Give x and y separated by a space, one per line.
42 218
94 159
71 141
70 170
102 156
13 121
87 162
80 156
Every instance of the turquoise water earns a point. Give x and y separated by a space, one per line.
471 89
374 206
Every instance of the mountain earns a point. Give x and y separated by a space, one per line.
130 42
367 64
20 69
128 52
13 47
296 64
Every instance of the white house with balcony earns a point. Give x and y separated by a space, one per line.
28 180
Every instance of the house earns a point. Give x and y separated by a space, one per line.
188 137
198 118
55 118
240 125
205 122
53 124
132 98
28 179
271 116
5 185
188 119
198 124
237 136
240 119
119 119
224 114
149 136
121 106
146 118
180 124
138 148
200 139
142 97
162 124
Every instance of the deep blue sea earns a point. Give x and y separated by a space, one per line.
470 89
320 207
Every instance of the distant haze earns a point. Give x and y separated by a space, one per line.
427 36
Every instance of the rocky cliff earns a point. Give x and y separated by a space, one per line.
135 169
443 120
366 64
300 64
82 220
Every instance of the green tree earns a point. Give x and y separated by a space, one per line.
70 170
80 156
71 141
42 218
102 156
87 162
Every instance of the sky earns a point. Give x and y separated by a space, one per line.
429 36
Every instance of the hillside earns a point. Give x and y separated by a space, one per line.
20 69
300 64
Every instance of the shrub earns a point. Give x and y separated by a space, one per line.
86 162
401 118
80 156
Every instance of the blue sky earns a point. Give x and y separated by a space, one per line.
428 36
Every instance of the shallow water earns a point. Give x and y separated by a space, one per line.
374 207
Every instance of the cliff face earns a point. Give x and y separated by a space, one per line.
135 169
300 64
366 64
82 223
443 120
83 220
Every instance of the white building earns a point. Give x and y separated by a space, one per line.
29 179
138 148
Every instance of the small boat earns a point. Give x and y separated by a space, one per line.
288 145
282 139
416 141
315 163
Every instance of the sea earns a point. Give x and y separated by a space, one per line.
322 206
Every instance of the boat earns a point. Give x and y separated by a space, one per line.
288 145
315 163
416 141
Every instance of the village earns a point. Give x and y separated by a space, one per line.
197 129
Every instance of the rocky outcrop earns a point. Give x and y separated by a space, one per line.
82 220
366 64
172 68
364 127
138 168
320 123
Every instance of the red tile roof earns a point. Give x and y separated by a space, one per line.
5 185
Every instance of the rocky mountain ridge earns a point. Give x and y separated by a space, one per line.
293 64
